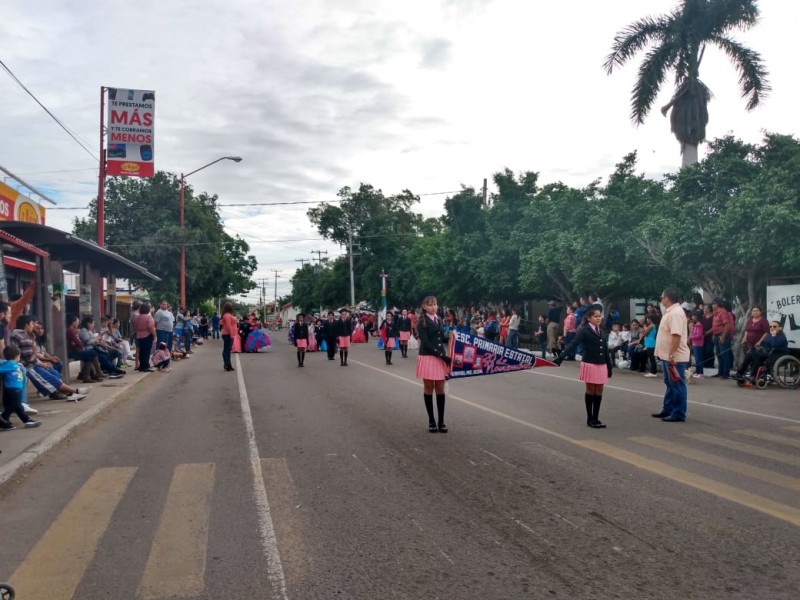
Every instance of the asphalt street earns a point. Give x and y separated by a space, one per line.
278 482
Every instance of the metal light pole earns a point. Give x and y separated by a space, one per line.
183 233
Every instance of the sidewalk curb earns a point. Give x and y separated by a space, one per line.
9 470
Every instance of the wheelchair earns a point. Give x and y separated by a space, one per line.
781 367
6 592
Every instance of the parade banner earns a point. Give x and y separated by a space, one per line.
472 356
131 115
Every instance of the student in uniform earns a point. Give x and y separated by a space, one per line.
389 330
404 331
344 331
595 364
301 338
432 363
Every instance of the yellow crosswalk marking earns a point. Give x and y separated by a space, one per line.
747 448
727 492
770 437
177 561
784 481
55 566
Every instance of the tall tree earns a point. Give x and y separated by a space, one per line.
679 41
143 224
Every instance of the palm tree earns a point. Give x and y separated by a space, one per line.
679 40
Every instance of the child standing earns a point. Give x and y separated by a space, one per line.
14 382
404 330
344 331
388 335
432 363
161 357
698 338
301 338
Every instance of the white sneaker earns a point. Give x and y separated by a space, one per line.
82 391
75 397
29 409
650 375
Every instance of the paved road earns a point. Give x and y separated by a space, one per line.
323 482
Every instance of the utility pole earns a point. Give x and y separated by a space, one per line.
318 267
485 193
263 298
352 277
276 291
302 261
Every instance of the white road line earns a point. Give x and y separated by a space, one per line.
706 404
268 539
532 372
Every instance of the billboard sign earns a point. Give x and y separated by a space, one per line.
783 306
131 116
18 207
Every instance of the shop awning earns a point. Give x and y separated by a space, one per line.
71 250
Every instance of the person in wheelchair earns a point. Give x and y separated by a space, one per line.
767 352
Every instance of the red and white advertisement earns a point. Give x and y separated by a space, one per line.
130 124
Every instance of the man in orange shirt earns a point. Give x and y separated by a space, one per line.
672 350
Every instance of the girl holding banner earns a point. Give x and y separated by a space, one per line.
432 363
595 365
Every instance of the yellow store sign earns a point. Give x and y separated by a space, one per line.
17 207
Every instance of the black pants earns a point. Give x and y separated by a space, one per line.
12 404
143 348
331 344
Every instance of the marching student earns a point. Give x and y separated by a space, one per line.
301 338
595 365
344 331
329 332
432 363
404 331
388 334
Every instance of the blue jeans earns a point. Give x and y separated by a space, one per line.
227 344
675 396
215 333
179 337
164 336
513 338
698 359
724 356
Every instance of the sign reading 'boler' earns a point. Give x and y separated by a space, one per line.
131 115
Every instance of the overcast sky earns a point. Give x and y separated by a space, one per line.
316 95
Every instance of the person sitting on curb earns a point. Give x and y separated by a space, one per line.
44 377
13 375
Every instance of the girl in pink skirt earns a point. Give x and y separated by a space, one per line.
404 331
301 338
433 363
344 331
595 364
388 336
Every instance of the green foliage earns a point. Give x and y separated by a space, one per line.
142 223
727 224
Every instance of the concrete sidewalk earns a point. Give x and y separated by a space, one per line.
21 447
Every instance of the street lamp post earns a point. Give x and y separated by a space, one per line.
183 233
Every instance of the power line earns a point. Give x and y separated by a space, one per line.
55 118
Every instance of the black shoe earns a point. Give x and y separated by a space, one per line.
671 419
442 428
716 375
597 425
660 415
432 427
57 396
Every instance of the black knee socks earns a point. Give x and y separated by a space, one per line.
596 407
589 400
346 352
429 407
440 408
341 356
388 354
299 358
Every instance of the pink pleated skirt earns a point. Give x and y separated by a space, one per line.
301 343
388 343
404 336
431 367
344 341
590 373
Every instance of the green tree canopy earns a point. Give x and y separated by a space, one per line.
142 223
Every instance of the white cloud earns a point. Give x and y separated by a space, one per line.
316 95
